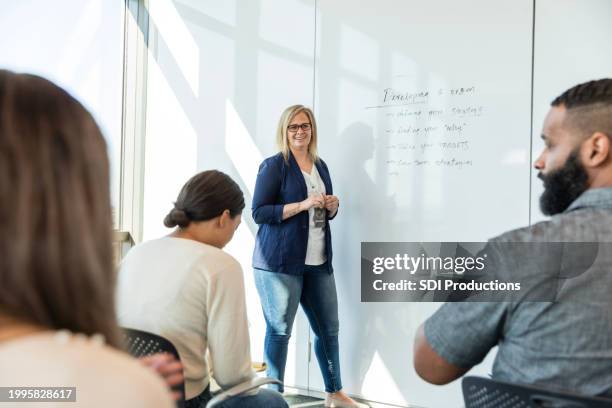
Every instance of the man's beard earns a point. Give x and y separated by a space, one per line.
563 186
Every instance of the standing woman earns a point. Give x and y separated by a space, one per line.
293 203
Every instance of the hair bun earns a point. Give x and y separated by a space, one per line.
175 218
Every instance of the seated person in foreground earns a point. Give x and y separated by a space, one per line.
185 288
57 319
566 344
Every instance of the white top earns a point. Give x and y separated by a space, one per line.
103 377
193 295
315 250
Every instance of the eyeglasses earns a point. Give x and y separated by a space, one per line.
294 128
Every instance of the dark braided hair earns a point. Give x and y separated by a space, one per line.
589 107
588 93
205 196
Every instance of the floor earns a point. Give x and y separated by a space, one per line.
295 399
299 401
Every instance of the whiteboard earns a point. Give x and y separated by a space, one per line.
424 120
220 74
572 46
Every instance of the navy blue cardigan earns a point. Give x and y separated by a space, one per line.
280 245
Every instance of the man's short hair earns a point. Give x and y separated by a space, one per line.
589 107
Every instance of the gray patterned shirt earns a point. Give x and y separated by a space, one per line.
566 344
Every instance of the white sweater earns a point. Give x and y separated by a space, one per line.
103 377
193 295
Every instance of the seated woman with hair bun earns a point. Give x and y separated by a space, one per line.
185 288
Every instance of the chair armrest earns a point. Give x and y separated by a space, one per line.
240 389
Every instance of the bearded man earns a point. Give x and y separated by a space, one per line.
565 344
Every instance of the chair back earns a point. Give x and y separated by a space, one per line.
479 392
139 343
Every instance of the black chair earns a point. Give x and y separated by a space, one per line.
481 392
141 344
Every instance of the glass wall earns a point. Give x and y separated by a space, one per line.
79 45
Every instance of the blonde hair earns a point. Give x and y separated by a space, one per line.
283 124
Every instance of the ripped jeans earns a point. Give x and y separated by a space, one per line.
280 295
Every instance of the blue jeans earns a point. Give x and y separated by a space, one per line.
280 295
263 399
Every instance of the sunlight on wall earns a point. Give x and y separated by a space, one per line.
240 147
359 53
378 381
221 11
90 82
245 157
279 17
77 45
170 152
240 248
281 82
180 42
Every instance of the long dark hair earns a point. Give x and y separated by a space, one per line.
205 196
56 262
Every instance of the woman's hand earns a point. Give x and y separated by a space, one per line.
331 204
167 367
315 200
